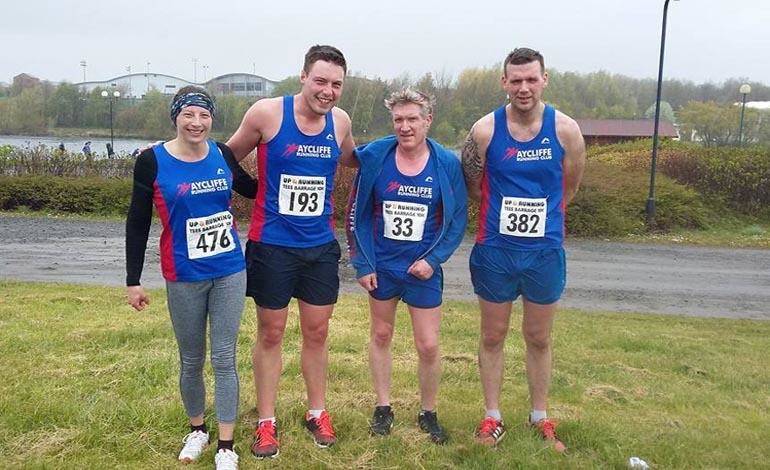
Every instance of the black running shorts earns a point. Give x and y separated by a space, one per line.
278 273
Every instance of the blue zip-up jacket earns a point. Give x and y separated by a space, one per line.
360 210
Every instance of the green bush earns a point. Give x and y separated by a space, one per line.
612 200
42 160
610 203
738 177
741 177
100 196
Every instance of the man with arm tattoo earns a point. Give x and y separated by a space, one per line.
523 163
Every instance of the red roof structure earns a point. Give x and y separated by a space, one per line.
608 131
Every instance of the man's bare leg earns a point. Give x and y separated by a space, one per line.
314 322
425 325
382 314
495 320
271 325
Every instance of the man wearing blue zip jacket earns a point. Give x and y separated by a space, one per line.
406 216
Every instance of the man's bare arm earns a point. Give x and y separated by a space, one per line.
474 152
347 145
574 156
251 130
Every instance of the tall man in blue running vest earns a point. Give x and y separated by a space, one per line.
292 250
523 163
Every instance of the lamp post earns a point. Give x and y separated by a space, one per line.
147 69
744 90
651 198
128 69
115 95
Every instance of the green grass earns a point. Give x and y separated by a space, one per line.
743 234
89 383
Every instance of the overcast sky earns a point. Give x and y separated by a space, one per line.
707 40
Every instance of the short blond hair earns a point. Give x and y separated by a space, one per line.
409 96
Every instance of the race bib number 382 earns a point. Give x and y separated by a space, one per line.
301 195
210 235
523 217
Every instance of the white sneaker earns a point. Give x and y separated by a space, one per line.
226 460
194 445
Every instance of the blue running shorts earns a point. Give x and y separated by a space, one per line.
412 290
502 274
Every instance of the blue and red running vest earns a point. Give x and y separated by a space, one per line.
408 214
522 188
199 239
294 206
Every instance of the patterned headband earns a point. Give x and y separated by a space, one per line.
191 99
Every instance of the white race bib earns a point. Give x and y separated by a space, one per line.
404 221
301 195
523 217
210 235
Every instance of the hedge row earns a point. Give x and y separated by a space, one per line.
611 201
42 160
94 195
739 177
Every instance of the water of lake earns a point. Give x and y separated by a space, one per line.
74 144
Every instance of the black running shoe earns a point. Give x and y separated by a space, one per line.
382 421
428 422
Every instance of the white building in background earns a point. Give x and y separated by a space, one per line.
136 85
757 104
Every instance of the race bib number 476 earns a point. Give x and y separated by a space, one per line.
523 217
210 235
301 195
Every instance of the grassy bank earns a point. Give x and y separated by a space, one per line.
89 383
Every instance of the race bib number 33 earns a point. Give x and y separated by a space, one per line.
523 217
301 195
210 235
404 221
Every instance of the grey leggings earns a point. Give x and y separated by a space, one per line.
220 301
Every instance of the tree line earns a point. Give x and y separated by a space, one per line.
705 111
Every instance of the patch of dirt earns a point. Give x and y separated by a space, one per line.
607 276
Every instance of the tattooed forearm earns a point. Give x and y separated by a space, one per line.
471 159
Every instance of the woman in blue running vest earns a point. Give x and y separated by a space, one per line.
189 180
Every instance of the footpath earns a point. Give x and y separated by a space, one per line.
603 276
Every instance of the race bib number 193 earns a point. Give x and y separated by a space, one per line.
302 195
523 217
210 235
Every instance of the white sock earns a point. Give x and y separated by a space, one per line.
315 413
272 420
537 415
494 414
